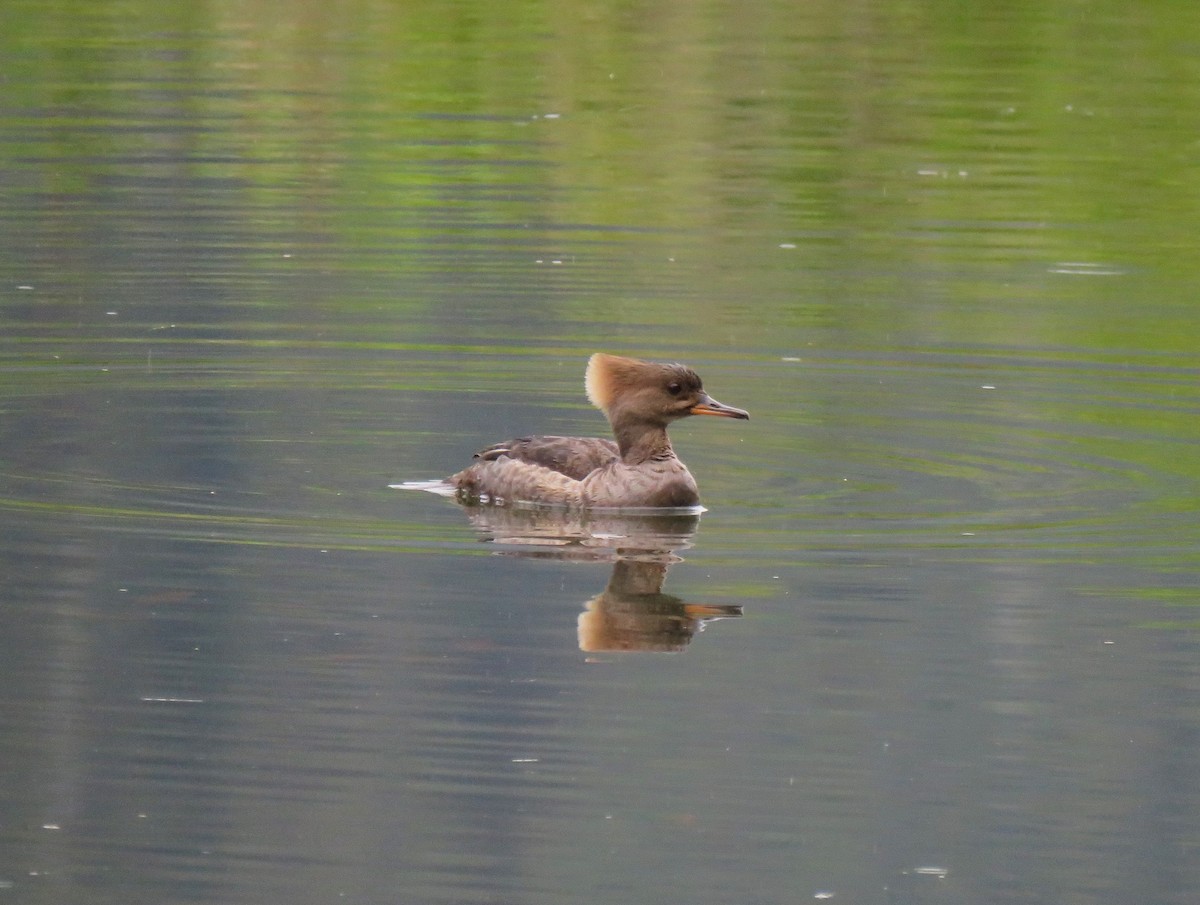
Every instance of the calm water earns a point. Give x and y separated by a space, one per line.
935 639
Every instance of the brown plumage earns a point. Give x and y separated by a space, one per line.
639 469
576 457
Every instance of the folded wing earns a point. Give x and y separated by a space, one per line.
575 457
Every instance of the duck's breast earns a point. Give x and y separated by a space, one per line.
653 484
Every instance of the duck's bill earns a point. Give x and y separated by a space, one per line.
710 406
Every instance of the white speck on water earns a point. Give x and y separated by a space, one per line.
551 115
988 386
789 358
931 871
1085 268
24 287
787 244
111 313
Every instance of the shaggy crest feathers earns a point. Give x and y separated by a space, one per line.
604 373
608 376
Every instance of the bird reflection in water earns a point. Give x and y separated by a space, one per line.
632 613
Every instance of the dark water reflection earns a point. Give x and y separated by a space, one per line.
259 265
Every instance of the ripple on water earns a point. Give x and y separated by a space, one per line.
1070 452
983 448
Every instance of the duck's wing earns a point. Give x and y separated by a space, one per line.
575 457
505 480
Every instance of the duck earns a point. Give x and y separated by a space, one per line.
636 469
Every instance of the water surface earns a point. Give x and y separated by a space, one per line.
933 640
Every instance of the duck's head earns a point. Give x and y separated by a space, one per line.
629 390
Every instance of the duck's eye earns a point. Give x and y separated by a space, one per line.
674 388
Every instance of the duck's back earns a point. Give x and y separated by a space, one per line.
502 479
575 457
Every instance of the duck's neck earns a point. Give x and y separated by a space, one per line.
642 442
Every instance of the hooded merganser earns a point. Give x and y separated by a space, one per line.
640 469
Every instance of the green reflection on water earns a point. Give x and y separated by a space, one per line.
415 199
